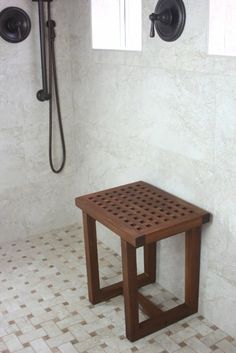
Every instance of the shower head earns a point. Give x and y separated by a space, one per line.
15 24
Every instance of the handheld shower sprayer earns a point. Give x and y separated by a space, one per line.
50 89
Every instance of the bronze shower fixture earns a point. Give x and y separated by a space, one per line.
168 20
15 24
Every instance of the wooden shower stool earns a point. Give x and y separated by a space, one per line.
141 215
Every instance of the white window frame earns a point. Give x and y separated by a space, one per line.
222 28
129 16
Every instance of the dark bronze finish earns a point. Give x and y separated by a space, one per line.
43 94
168 19
50 89
15 24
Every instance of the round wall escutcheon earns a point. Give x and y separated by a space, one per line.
169 19
15 24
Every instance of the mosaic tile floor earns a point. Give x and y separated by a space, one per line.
44 306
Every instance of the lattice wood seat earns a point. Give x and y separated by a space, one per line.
141 215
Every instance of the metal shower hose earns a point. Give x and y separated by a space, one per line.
53 79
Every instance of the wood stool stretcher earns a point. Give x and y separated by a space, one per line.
141 215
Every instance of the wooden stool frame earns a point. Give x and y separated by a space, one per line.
158 319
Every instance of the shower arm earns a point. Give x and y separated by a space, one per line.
43 94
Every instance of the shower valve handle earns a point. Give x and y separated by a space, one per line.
152 31
15 25
164 17
19 33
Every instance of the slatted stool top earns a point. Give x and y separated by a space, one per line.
141 213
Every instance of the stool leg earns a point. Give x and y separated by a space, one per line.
90 240
192 267
130 289
150 256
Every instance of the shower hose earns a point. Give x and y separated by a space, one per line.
53 85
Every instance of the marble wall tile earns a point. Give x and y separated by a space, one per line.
177 108
50 203
12 215
225 149
15 93
219 292
12 158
